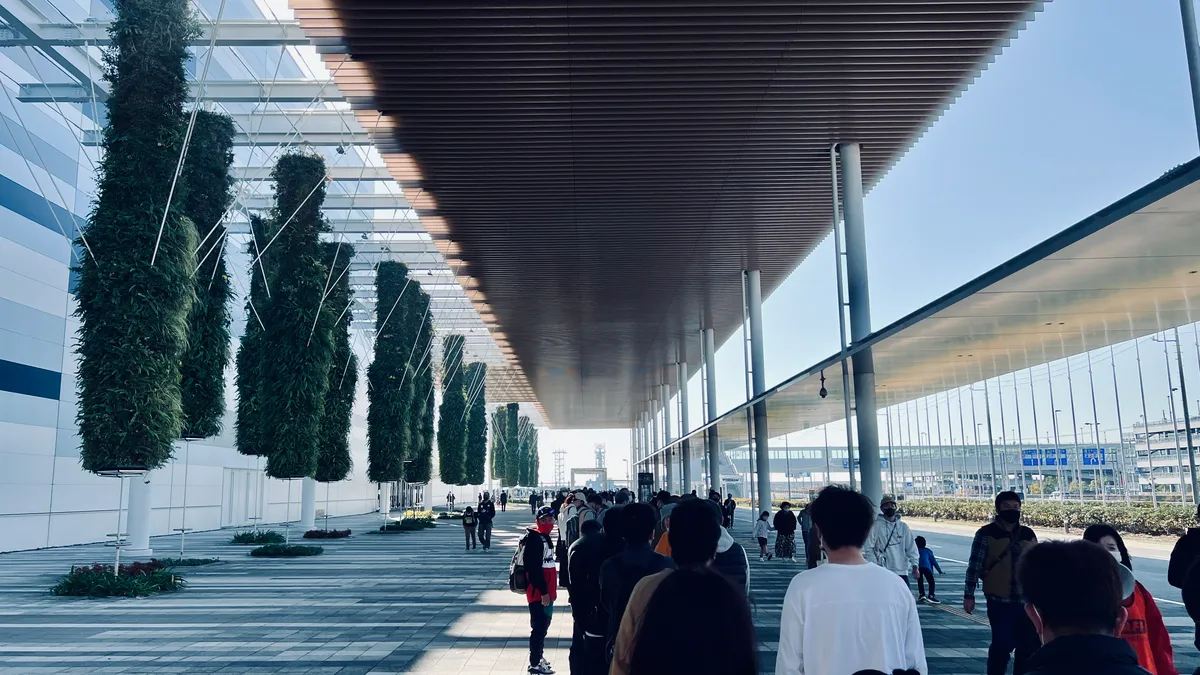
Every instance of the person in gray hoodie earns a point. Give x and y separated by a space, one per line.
891 544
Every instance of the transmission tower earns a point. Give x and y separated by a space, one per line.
560 467
600 452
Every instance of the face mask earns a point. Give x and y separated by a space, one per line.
545 528
889 512
1117 556
1010 516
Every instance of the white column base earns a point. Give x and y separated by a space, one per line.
308 504
138 522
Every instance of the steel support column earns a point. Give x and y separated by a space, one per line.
710 371
858 299
669 453
1191 45
685 449
655 439
762 443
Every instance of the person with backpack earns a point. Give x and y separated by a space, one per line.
584 559
468 523
620 573
727 510
892 545
1183 573
487 512
534 571
995 554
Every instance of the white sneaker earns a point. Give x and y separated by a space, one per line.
539 669
546 665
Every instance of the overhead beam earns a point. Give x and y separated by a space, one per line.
231 33
363 202
232 91
348 174
351 226
92 138
23 20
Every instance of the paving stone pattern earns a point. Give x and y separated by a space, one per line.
370 605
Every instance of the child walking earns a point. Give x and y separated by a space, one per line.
468 521
927 565
762 527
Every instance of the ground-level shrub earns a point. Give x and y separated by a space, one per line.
406 525
450 515
327 534
1167 519
187 562
258 537
285 551
135 579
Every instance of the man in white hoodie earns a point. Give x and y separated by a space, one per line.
891 544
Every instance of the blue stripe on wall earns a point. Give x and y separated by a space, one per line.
22 379
22 200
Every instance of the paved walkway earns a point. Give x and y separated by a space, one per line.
371 604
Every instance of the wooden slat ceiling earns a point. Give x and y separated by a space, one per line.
604 169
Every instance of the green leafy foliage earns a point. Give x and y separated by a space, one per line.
1167 519
206 174
187 562
333 459
451 431
420 468
475 459
499 424
133 314
390 384
252 440
285 551
534 458
135 579
512 452
327 534
523 451
297 331
258 537
407 525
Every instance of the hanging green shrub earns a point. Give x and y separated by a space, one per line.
420 468
135 285
297 332
333 457
475 457
202 371
451 432
248 425
389 390
534 461
496 465
523 427
512 451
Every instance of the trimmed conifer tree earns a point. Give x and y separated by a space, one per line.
420 468
475 459
389 390
206 173
451 431
512 452
136 285
333 457
248 425
534 459
523 443
297 331
499 437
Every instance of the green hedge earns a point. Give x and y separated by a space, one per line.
420 468
451 431
512 445
499 438
333 456
285 551
133 315
202 369
389 385
258 537
251 438
475 459
1167 519
135 579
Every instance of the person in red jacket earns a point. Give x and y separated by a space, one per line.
1144 630
541 589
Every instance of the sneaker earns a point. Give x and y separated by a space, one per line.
933 601
546 665
921 600
539 669
770 555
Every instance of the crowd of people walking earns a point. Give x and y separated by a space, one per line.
638 572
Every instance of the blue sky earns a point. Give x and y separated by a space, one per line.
1087 104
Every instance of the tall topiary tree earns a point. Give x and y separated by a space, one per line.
512 445
451 432
475 458
136 282
297 333
333 456
390 386
250 438
535 465
206 173
420 468
523 451
499 419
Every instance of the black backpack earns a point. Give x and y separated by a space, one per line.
518 576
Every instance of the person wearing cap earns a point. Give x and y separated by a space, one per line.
542 588
892 545
620 573
663 547
1074 595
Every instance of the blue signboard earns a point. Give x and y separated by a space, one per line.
1093 457
883 463
1044 457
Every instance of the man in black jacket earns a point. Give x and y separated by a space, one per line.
584 559
620 574
1183 573
541 588
1078 614
485 515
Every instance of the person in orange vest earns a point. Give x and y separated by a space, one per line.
1144 630
663 547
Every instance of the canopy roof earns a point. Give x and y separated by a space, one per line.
601 171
